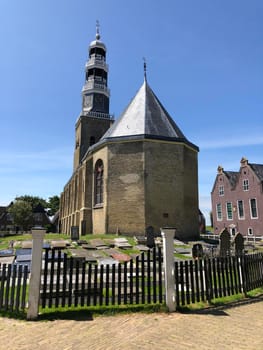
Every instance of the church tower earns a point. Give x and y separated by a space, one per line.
94 119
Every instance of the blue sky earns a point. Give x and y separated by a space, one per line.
204 62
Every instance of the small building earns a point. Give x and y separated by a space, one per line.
39 218
237 200
137 173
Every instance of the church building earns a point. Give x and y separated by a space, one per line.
131 175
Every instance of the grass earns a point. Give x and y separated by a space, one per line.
4 241
78 312
224 301
182 257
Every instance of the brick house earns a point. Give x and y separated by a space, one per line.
237 200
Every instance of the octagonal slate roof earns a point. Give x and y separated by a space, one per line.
145 115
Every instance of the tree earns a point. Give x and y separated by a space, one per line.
21 212
53 205
33 201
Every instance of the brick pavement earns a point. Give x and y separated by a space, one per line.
239 327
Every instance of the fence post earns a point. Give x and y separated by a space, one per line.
36 264
168 262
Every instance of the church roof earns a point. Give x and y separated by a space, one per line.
258 170
232 177
145 116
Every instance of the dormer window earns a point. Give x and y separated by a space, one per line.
221 190
245 185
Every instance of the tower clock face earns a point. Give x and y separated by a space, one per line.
87 101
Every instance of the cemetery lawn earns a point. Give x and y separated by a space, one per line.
4 241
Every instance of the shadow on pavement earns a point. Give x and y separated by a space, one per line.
80 315
220 309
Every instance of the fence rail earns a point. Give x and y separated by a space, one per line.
67 281
204 280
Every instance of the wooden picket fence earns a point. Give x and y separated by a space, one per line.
13 287
67 281
207 279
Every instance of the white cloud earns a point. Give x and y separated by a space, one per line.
224 142
21 162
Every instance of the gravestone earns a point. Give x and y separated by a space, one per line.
122 243
74 233
197 251
150 237
7 252
224 243
239 243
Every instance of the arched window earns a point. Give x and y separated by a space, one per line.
98 183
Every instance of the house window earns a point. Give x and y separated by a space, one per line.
253 208
245 185
229 211
250 231
219 211
233 231
98 182
240 206
221 190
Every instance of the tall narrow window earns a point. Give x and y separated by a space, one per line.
221 190
253 208
91 140
240 206
219 211
245 185
98 183
229 211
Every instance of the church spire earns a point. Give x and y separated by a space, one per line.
95 92
94 119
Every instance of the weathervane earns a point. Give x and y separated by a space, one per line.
97 30
144 67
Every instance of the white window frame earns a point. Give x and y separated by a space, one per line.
250 207
227 212
250 231
238 211
219 205
245 185
221 190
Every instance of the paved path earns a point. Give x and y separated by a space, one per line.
239 327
